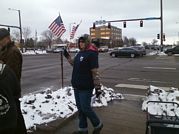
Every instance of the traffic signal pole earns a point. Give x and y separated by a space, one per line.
162 36
139 19
9 26
161 19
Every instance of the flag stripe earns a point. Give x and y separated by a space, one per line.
57 27
73 32
74 29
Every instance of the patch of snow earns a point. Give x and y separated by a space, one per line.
158 94
32 52
156 53
49 105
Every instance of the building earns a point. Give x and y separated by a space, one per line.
111 37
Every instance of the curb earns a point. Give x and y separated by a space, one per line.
49 128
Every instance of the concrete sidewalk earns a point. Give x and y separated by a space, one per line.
120 117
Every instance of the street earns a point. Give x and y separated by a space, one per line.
125 75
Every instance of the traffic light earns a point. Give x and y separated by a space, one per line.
109 25
158 36
141 23
124 24
94 26
163 37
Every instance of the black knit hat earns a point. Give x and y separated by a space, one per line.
85 38
4 33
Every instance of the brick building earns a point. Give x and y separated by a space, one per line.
111 37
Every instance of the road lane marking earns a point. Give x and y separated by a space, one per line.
132 86
143 87
146 80
164 68
133 97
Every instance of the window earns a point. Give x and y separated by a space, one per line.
92 29
103 33
102 29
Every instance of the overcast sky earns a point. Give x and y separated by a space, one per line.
38 14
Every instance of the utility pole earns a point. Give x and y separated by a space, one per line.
20 26
35 42
161 19
178 35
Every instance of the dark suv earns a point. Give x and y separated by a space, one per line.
172 51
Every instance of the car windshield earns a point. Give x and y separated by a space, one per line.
129 49
139 48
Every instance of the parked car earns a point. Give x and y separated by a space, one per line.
172 51
74 50
103 49
153 47
140 48
57 50
49 50
128 51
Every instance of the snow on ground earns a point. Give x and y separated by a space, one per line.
49 105
157 94
156 53
32 52
159 53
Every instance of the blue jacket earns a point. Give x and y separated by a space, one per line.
84 62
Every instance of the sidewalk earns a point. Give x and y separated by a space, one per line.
120 117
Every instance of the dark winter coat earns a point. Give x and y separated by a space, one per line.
9 88
83 63
12 57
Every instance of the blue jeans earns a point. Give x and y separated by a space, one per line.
83 103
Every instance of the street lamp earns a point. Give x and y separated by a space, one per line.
20 26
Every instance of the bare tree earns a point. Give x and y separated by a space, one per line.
16 35
132 41
154 42
144 43
125 41
48 37
26 33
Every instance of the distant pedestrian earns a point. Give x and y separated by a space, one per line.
9 88
85 78
12 57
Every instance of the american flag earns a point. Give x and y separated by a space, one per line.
57 27
74 29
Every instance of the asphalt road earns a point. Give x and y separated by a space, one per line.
125 75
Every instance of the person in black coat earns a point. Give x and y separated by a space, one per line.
12 57
8 90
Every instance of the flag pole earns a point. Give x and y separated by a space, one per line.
57 28
62 78
62 82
